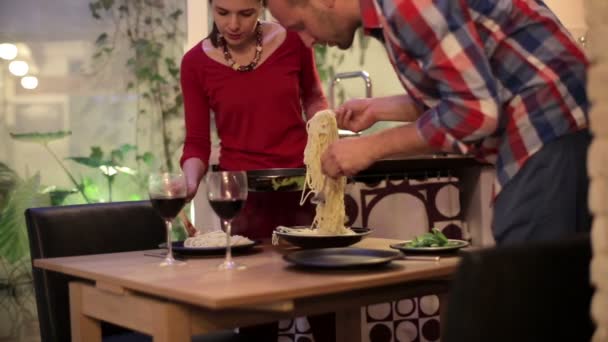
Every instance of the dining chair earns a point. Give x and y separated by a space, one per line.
530 292
81 230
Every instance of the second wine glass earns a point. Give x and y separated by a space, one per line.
227 193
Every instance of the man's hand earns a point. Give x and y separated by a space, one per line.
346 157
355 115
359 114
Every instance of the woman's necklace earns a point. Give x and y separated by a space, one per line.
258 52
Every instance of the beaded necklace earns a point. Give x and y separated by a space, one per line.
258 51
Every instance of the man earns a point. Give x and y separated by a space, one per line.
501 80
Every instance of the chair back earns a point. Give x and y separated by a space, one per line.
530 292
82 230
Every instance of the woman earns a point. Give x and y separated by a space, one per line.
257 79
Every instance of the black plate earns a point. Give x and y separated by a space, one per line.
324 241
341 257
178 247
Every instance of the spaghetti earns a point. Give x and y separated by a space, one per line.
215 239
330 216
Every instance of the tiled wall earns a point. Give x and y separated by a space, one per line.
598 162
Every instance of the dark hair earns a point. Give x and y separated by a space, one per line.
213 35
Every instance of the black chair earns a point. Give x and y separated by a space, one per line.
81 230
532 292
90 229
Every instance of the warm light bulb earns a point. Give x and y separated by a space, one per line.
18 68
8 51
29 82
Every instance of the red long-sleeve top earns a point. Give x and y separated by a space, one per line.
258 114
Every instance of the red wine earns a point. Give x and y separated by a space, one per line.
227 209
168 208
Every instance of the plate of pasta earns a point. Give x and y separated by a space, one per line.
327 228
212 243
304 237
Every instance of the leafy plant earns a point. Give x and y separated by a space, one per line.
8 179
151 31
109 165
16 291
14 243
43 139
17 301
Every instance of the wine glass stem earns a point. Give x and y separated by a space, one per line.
169 257
228 225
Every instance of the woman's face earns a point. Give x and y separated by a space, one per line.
236 19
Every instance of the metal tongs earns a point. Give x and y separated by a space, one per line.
319 196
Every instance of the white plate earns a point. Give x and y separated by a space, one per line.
178 247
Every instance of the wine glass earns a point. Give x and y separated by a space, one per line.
168 196
227 192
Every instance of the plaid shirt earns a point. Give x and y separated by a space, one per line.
497 79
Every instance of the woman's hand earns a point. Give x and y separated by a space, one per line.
194 170
191 189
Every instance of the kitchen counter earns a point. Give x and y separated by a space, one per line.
398 166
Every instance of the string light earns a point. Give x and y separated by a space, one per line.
8 51
18 68
29 82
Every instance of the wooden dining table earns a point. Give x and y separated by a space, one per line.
174 303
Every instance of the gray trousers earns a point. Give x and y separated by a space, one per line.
547 198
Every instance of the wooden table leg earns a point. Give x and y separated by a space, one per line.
84 328
89 305
173 325
348 325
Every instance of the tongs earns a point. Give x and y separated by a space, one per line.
319 196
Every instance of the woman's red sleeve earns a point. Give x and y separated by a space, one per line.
196 106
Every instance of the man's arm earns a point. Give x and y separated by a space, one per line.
449 51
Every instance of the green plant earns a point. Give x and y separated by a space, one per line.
113 164
16 291
8 179
26 193
110 165
17 301
153 37
43 139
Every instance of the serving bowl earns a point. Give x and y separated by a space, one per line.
278 179
321 241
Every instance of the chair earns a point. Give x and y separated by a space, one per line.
90 229
531 292
81 230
